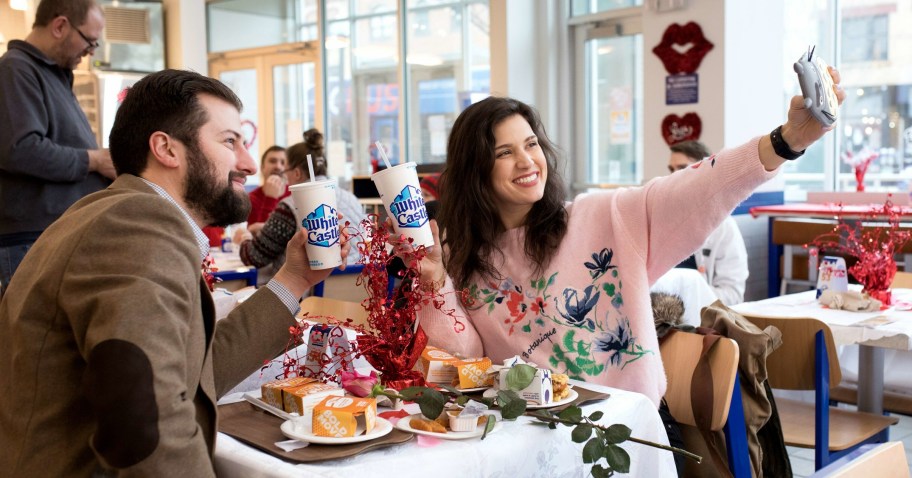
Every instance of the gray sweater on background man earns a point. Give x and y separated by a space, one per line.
44 138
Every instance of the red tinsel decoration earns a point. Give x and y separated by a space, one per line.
873 246
392 341
859 163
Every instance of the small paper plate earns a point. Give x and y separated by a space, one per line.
534 406
381 427
473 389
403 424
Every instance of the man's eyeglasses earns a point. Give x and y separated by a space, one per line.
92 44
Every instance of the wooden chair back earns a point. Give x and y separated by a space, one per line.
886 460
902 280
791 366
340 309
799 231
680 354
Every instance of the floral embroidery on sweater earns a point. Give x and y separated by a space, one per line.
538 307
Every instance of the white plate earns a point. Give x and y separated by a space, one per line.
473 389
569 398
381 427
534 406
403 424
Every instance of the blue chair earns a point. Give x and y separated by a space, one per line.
807 361
681 352
874 460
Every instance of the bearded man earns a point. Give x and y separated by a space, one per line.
110 358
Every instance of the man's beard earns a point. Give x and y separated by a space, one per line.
218 203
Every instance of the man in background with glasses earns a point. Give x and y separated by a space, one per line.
48 154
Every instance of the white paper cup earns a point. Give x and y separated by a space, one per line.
401 194
315 204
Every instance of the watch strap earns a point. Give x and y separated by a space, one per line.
781 147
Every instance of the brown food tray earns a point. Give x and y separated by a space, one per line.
261 430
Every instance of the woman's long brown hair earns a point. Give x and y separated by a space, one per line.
469 220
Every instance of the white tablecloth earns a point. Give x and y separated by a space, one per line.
890 369
518 449
896 335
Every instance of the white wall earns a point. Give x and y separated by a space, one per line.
13 25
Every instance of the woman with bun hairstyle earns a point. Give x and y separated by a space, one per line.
266 250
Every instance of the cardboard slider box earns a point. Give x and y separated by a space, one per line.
438 366
344 416
273 392
297 393
539 391
303 397
474 372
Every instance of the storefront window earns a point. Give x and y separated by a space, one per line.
876 117
448 58
586 7
241 24
446 66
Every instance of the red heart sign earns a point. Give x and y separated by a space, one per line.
673 50
676 129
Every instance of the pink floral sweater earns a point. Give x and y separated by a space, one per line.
589 314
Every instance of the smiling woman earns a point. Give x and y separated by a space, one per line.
567 283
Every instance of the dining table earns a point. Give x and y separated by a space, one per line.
834 211
231 268
521 447
874 332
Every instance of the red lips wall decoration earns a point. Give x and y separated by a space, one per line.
676 129
688 61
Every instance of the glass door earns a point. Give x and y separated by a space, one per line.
609 66
280 90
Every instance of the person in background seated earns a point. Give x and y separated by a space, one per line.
722 259
111 361
429 187
265 250
264 199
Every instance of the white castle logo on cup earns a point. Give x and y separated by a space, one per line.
322 226
408 208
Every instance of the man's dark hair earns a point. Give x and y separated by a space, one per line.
270 149
166 101
692 149
77 11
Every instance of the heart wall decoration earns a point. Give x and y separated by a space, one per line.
676 129
682 48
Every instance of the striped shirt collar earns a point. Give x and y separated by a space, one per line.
201 240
